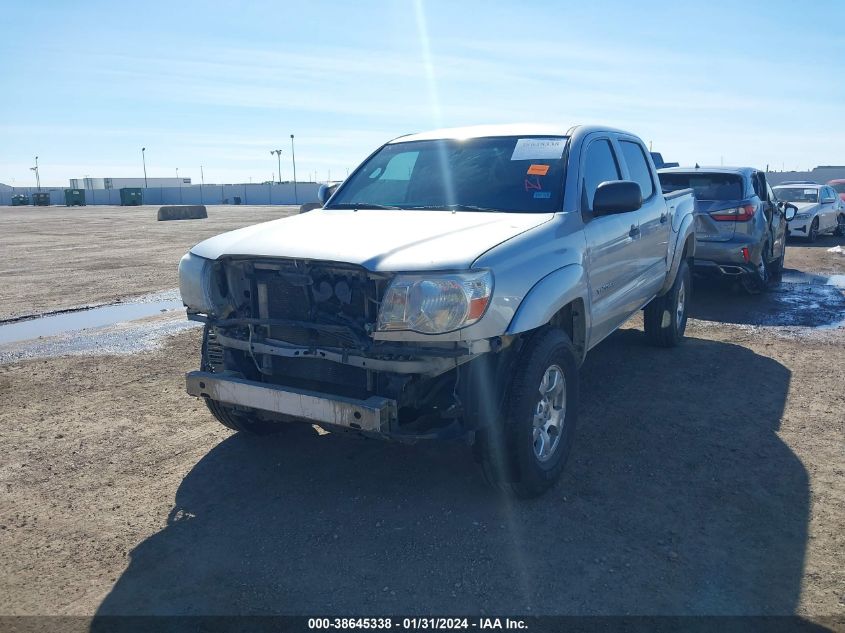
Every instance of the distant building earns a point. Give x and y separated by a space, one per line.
820 174
120 183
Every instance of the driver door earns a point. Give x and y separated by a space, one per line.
612 241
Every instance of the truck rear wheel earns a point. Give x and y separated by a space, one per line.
524 453
665 317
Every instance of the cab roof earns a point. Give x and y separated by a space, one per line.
510 129
708 170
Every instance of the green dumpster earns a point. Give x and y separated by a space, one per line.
131 196
20 200
41 199
74 197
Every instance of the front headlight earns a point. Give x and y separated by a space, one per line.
801 216
195 283
436 303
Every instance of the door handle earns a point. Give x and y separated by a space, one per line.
663 218
635 231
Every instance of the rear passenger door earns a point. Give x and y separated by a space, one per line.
653 217
611 240
778 224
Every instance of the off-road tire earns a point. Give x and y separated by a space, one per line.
813 233
664 327
776 266
237 419
508 458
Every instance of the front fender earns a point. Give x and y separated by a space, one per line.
685 239
548 296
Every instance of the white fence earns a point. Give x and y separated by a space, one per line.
189 194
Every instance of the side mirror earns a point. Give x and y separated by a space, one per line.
789 211
617 196
323 194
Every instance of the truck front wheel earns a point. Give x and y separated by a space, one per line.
234 418
665 317
525 452
243 421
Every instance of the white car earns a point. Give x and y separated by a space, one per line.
820 210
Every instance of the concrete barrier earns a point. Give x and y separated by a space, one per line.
186 212
310 206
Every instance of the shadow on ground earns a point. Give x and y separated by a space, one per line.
679 498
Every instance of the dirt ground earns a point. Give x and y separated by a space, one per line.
105 253
707 479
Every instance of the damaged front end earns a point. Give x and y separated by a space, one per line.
293 340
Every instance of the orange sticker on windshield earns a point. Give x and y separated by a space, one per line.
538 170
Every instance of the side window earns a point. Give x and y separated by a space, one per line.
599 166
637 165
755 182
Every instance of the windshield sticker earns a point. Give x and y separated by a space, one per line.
538 149
532 183
538 170
542 194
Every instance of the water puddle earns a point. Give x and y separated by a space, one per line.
802 300
65 322
797 277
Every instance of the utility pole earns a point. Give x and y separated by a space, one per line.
293 158
144 161
278 154
180 185
202 184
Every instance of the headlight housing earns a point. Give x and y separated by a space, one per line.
801 216
195 283
435 303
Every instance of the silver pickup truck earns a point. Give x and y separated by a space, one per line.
449 288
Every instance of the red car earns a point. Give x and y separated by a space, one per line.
839 186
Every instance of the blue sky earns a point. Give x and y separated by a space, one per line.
86 85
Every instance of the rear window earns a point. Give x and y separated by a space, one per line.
706 186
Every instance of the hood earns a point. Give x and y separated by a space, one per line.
805 206
378 240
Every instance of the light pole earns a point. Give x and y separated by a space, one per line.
180 185
293 158
278 154
202 183
144 161
37 176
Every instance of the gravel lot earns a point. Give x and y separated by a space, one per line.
708 479
104 253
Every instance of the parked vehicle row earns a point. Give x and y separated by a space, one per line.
449 288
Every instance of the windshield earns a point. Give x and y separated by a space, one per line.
797 194
518 174
706 186
839 187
